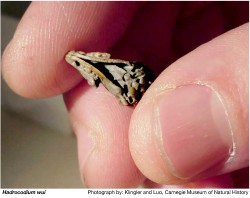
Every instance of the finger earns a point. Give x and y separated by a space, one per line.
193 121
33 62
102 136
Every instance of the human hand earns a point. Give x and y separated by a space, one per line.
193 121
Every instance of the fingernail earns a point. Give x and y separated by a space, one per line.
194 130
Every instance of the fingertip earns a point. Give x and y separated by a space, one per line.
31 78
33 62
101 127
213 138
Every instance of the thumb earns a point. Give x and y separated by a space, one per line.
193 121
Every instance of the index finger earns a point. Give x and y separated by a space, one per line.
33 62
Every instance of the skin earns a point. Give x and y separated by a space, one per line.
136 148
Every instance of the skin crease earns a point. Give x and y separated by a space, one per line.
112 151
